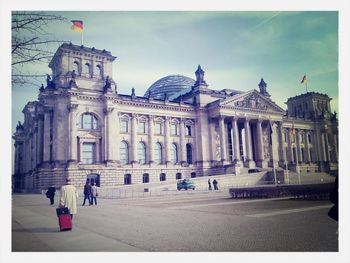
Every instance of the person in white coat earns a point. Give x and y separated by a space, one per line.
68 197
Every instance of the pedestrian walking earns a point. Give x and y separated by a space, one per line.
87 193
94 194
50 193
69 197
215 184
209 184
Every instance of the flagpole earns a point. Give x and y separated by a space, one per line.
82 38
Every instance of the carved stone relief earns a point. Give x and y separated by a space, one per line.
253 102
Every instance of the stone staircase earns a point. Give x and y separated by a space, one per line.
225 182
306 178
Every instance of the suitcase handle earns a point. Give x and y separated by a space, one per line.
62 211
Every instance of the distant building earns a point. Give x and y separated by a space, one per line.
82 128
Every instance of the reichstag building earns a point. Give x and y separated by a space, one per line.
81 128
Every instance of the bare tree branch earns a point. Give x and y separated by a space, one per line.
31 44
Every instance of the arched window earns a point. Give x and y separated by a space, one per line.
158 158
141 150
189 153
98 71
87 70
76 67
89 121
173 153
124 152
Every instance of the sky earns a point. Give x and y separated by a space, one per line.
235 49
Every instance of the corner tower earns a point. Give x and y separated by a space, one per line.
81 66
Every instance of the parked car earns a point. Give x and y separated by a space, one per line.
250 171
185 184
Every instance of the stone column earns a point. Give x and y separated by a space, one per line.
73 146
289 152
298 146
34 148
273 147
328 156
335 140
307 147
40 137
111 144
167 139
318 143
281 149
46 137
248 145
237 158
134 139
150 139
80 148
261 158
222 139
97 157
183 142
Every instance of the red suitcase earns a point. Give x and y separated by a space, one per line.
64 219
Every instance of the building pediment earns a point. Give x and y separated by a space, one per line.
90 136
251 100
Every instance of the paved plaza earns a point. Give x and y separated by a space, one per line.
191 221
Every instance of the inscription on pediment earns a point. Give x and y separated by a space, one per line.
252 101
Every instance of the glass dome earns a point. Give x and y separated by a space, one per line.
169 86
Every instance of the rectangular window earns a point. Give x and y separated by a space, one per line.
178 176
142 127
88 153
173 129
309 138
127 179
124 126
158 128
285 137
145 178
162 177
302 138
188 130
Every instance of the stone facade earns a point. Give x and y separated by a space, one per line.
81 128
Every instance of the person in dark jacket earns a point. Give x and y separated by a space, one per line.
87 193
333 212
50 193
209 184
215 183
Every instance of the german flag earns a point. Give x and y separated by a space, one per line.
304 80
77 26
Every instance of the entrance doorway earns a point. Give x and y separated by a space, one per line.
93 179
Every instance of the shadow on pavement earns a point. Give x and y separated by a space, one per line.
38 230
